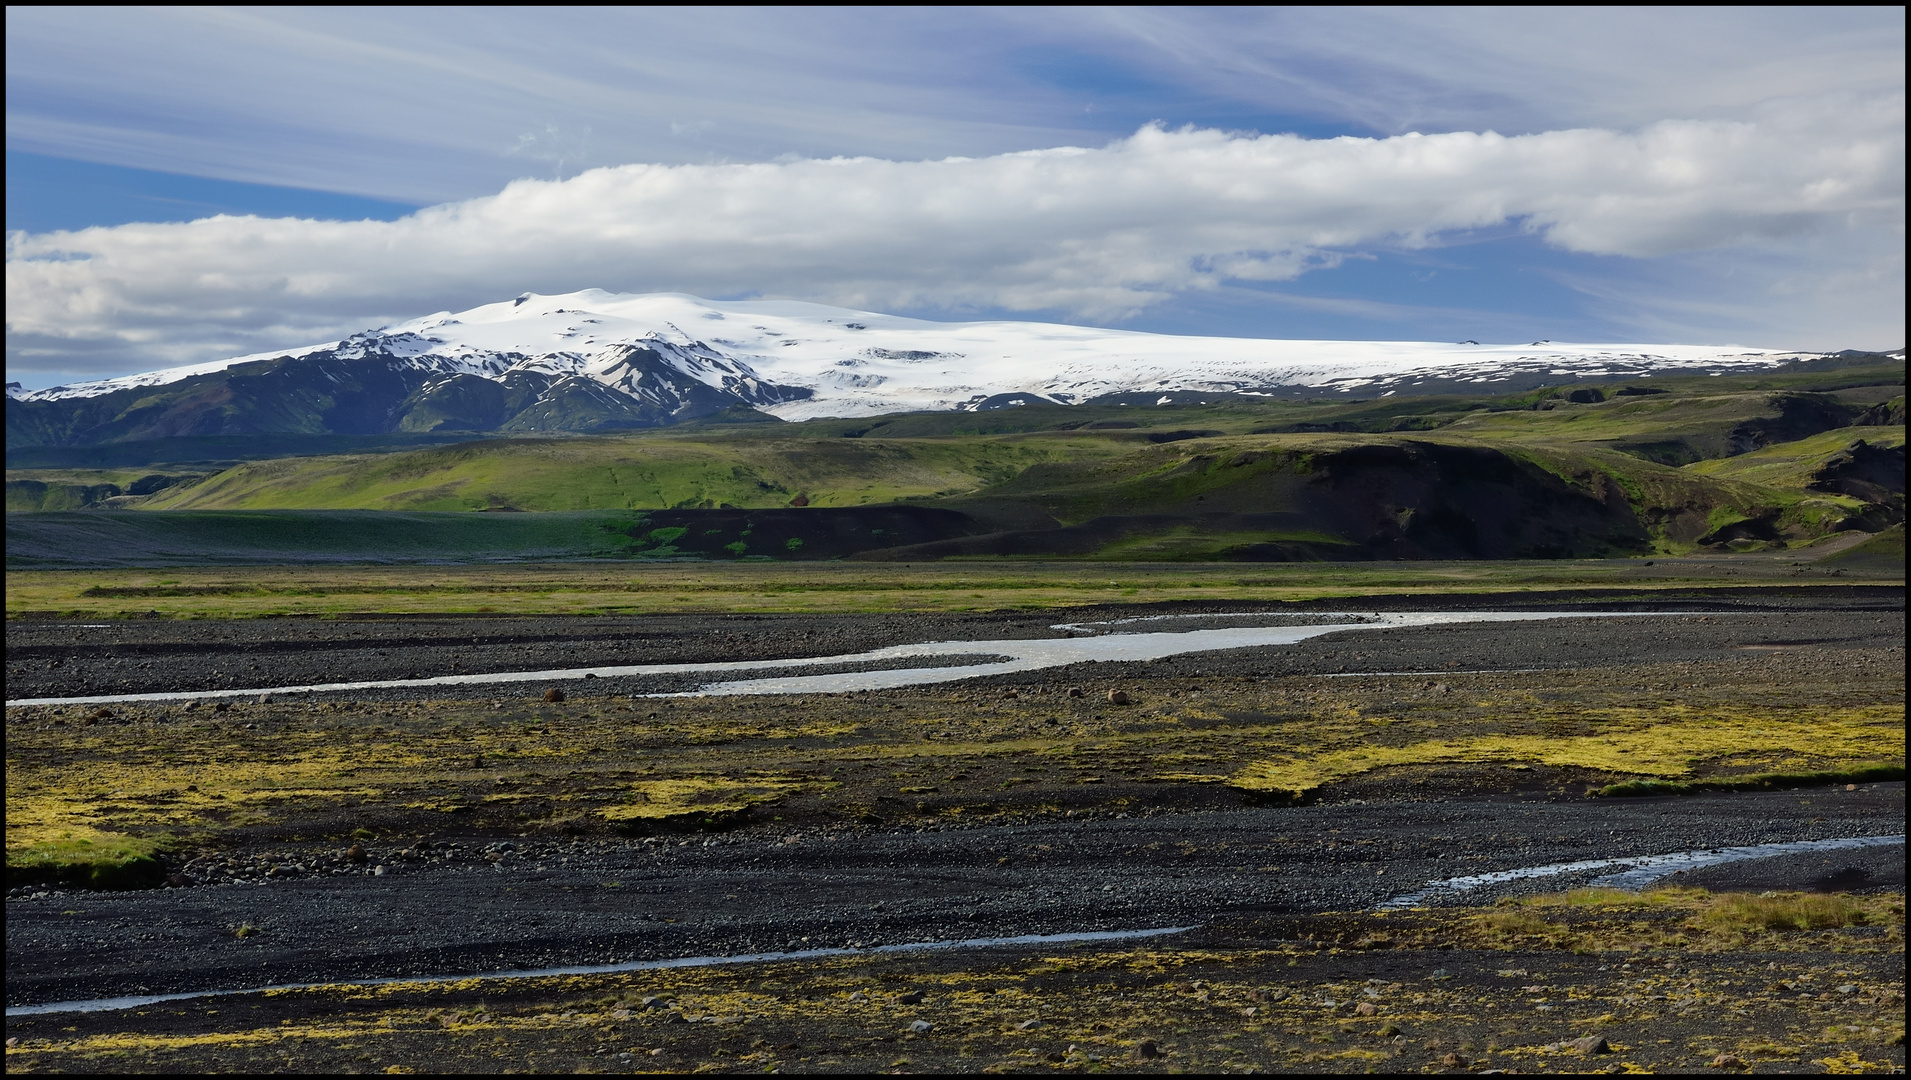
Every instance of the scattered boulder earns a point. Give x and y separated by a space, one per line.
1729 1061
1365 1008
180 881
921 1027
1028 1025
1591 1044
1453 1061
1147 1050
1076 691
1118 697
554 695
913 997
355 853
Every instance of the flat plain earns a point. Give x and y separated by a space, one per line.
1270 800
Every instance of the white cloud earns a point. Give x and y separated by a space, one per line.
1090 233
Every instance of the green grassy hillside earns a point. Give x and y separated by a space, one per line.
95 538
1741 462
1420 496
1796 464
632 473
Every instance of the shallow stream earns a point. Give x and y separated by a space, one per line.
1122 640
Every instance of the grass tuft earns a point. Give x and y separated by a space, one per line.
1784 911
87 858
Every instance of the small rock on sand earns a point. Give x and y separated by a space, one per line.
554 695
1591 1044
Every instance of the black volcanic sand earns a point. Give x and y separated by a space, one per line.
1448 991
61 659
449 910
1261 883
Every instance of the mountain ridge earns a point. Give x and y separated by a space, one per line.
594 361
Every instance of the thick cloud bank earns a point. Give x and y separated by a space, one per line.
1092 233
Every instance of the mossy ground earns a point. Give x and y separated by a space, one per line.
506 766
595 589
1672 981
69 854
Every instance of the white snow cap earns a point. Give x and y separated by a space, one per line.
861 363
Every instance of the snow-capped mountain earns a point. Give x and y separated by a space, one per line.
596 361
800 360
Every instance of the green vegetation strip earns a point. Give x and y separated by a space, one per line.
227 593
1771 781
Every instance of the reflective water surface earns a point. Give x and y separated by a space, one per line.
136 1001
1640 870
1116 640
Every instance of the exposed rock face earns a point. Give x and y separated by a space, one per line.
1872 473
370 388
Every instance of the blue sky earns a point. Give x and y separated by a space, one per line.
1780 130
